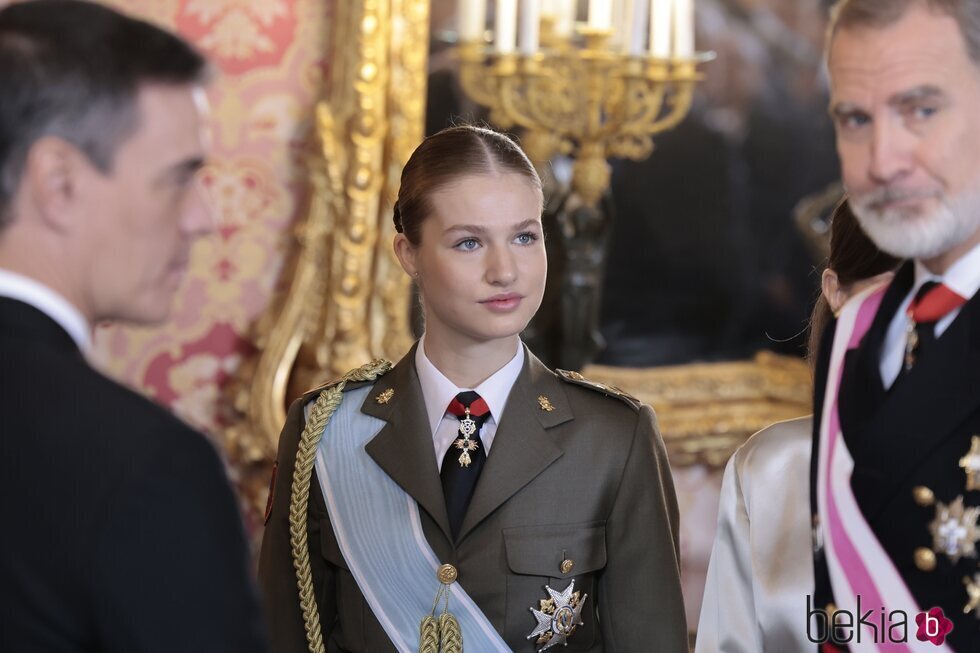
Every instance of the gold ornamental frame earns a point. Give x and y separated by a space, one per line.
346 300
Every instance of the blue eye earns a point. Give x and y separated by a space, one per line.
852 120
526 238
922 112
467 244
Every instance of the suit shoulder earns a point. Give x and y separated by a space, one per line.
576 379
98 401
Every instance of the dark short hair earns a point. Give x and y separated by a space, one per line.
72 69
853 257
879 14
445 157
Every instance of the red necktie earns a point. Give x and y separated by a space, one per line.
933 302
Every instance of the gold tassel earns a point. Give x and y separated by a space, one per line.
429 635
450 633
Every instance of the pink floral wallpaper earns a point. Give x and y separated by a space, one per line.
270 59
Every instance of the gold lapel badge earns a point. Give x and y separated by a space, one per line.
558 617
545 404
973 592
970 463
955 531
385 397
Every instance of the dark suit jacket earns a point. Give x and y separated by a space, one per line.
120 531
588 481
913 434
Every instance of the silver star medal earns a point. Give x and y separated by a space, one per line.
558 617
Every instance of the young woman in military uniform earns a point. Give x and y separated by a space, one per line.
468 496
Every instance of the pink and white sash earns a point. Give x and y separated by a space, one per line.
857 563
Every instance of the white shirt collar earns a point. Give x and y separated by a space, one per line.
962 277
438 391
17 286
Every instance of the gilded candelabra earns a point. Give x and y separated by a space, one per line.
591 102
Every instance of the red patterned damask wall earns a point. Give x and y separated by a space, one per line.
270 56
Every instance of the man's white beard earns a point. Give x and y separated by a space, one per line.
908 233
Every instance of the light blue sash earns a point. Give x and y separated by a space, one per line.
378 529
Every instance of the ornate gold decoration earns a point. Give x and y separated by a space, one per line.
973 593
566 566
706 410
970 463
441 634
385 397
925 559
545 404
447 574
592 101
347 299
324 407
923 496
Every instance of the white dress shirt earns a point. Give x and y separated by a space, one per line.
438 392
27 290
963 278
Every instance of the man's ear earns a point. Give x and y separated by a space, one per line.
830 287
406 251
51 180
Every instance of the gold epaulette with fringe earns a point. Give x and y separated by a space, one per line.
608 390
367 373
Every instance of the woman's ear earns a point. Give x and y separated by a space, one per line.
830 287
406 252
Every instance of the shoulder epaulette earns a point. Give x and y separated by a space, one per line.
356 378
608 390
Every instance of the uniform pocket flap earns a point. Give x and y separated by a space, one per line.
556 550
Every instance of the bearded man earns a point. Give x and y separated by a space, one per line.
896 462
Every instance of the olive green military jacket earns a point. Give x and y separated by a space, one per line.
576 486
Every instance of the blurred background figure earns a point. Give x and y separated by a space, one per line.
760 571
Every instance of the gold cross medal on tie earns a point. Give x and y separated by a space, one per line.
911 344
467 427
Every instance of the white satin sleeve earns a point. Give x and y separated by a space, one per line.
761 567
728 621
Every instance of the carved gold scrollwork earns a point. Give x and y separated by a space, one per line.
706 410
347 299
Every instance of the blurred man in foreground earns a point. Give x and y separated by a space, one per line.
120 532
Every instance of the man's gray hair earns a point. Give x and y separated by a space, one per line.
879 14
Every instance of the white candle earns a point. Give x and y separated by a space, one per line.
683 29
600 14
565 24
636 25
620 22
530 26
660 29
505 27
472 19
